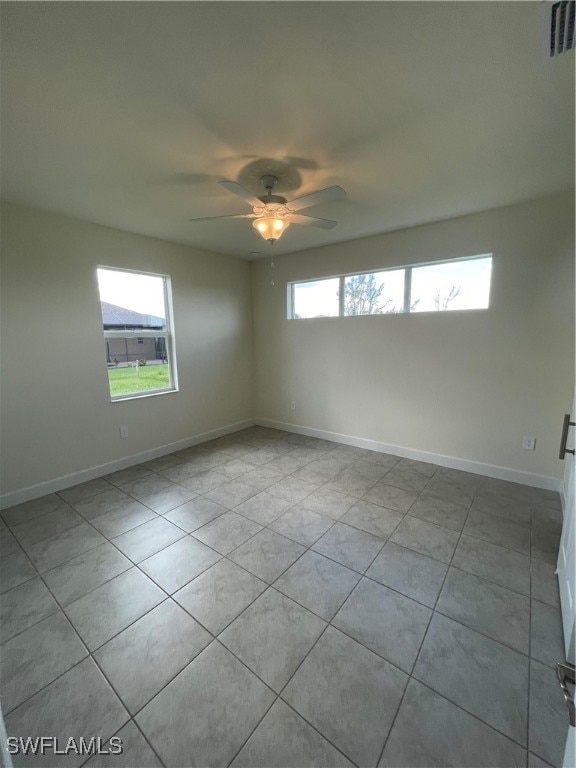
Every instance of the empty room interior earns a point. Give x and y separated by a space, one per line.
287 401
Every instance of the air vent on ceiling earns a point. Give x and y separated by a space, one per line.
562 27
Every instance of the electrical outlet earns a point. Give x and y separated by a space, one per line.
528 443
123 431
293 405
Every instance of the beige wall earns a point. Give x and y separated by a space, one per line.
460 384
57 417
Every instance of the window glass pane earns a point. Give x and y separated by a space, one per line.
137 365
138 361
453 285
318 298
130 300
377 293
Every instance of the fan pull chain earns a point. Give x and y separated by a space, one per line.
272 283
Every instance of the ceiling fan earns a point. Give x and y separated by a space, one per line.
273 214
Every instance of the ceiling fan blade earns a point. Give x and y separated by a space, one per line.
232 216
314 198
236 189
302 218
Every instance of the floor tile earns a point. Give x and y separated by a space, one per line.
195 513
353 548
329 503
445 736
146 486
536 762
112 607
502 506
349 694
165 501
217 596
409 572
387 623
127 475
284 740
122 519
272 637
322 470
422 467
503 531
8 544
37 656
292 489
46 526
162 462
263 508
302 525
384 460
548 715
356 479
546 635
426 538
203 717
390 497
439 511
262 477
179 563
372 518
235 468
28 510
484 677
15 569
205 481
68 544
544 582
181 471
545 545
447 488
486 607
503 566
232 493
148 654
147 539
136 752
101 503
227 532
402 477
24 606
84 490
63 709
84 573
267 554
317 583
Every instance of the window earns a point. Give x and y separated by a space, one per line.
434 287
137 332
316 298
452 285
374 293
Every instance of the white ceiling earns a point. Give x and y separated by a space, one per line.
127 114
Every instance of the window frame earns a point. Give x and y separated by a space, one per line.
408 268
142 333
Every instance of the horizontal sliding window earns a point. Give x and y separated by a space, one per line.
433 287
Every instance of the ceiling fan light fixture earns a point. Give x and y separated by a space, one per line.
270 227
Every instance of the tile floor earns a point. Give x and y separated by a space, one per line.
269 599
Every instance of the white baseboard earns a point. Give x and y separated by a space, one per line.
66 481
467 465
